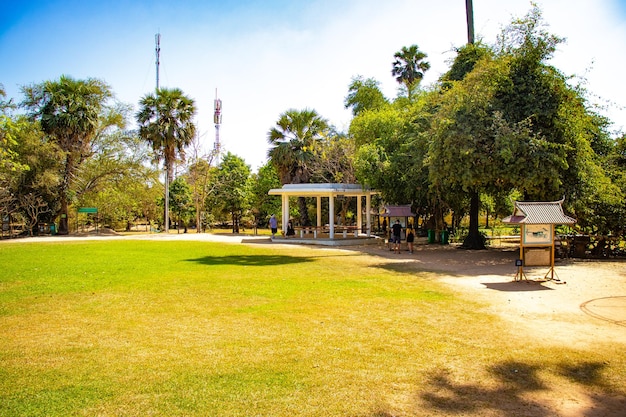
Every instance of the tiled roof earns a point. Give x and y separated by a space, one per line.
539 212
398 211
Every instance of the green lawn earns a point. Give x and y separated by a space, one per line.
153 328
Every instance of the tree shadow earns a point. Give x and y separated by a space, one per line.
251 260
516 286
514 380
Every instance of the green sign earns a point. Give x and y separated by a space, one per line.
88 210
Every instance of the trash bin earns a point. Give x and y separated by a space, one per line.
431 236
444 237
53 229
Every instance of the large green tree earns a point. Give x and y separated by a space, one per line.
292 142
513 122
69 112
165 120
232 190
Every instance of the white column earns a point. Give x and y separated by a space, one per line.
285 213
368 213
331 215
319 211
359 214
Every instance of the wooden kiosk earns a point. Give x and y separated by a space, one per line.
537 237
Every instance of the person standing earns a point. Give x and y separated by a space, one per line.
396 235
273 225
410 237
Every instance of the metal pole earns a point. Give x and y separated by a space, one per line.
166 215
469 11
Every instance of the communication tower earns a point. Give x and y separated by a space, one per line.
217 120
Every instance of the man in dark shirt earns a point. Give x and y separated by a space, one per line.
396 232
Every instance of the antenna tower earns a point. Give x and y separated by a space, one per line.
166 216
217 120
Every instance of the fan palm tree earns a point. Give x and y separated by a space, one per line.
165 121
69 112
292 141
409 67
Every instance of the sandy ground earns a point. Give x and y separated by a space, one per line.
583 304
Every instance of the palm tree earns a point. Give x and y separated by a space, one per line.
292 141
165 121
409 67
69 112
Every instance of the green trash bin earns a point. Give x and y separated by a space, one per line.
53 229
431 236
445 235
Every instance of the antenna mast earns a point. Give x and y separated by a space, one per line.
166 216
157 39
217 119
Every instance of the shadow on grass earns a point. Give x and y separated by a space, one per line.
252 260
515 380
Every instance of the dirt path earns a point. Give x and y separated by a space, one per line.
584 304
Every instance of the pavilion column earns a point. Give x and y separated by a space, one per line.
368 213
359 213
285 213
331 215
319 211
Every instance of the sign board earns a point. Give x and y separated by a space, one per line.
538 234
88 210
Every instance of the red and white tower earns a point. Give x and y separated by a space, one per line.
217 120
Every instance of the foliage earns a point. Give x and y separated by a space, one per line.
292 142
181 202
364 94
264 205
232 189
69 112
409 67
166 122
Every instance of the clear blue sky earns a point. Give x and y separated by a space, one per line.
265 57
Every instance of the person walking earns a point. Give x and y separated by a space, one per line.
396 235
273 225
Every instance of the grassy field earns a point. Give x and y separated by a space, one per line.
152 328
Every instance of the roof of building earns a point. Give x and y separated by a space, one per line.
325 189
398 211
539 212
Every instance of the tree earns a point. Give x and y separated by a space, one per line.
181 202
68 111
292 142
232 191
409 67
364 95
165 121
263 204
118 180
513 123
201 178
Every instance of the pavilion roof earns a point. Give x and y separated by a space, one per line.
539 212
324 189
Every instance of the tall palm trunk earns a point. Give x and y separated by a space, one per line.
65 186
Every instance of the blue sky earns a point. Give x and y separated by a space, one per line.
265 57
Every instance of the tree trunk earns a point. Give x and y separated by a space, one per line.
304 213
474 239
63 222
